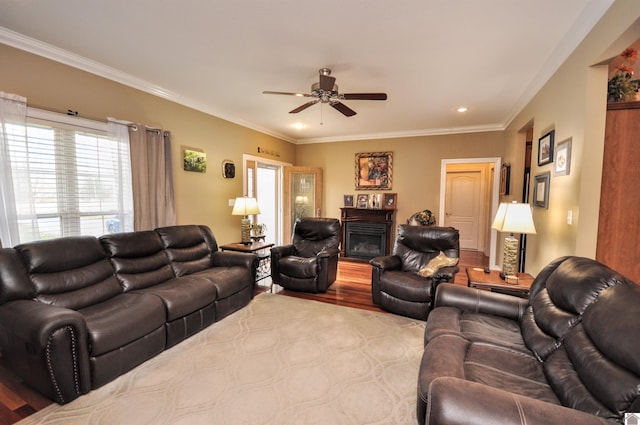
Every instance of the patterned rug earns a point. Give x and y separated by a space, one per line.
280 360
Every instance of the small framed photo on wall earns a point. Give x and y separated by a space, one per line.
348 200
541 190
545 148
562 162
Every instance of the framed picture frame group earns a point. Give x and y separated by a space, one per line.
385 201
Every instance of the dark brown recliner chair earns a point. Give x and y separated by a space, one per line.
396 285
310 262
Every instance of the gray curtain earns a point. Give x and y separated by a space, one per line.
152 177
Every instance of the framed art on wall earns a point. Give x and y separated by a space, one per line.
195 161
348 200
545 148
541 190
562 162
374 170
505 176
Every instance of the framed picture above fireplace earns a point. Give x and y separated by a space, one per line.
374 170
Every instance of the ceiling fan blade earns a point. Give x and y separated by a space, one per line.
327 82
287 93
365 96
343 108
303 107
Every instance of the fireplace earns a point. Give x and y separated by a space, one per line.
365 240
366 233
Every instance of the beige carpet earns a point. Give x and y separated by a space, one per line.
280 360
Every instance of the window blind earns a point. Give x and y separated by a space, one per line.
70 177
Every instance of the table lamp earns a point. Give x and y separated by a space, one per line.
245 207
512 218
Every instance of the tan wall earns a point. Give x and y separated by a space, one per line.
201 198
416 166
573 102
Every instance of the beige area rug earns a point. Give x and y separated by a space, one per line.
280 360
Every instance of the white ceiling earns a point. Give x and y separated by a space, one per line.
429 56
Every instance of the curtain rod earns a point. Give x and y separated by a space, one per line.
73 113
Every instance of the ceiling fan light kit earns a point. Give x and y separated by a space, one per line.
326 91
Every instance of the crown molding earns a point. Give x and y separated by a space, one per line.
39 48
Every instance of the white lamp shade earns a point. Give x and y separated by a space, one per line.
245 206
514 218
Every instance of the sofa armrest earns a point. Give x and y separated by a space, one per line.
389 262
232 258
479 301
327 268
47 347
446 274
455 401
278 252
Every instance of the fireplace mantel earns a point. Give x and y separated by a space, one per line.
367 216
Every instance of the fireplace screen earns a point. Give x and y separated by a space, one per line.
365 240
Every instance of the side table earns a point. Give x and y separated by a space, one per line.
492 282
261 249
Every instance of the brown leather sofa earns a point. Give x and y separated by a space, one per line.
568 355
77 312
310 262
395 283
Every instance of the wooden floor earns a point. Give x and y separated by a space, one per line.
352 289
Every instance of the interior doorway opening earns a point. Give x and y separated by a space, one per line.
472 209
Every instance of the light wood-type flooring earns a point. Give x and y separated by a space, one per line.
352 288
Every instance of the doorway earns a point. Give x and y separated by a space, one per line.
469 196
263 180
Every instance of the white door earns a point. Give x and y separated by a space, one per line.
463 201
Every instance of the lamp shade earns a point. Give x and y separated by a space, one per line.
514 218
245 206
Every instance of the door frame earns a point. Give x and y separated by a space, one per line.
495 196
247 157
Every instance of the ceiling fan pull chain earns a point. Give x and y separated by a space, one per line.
321 123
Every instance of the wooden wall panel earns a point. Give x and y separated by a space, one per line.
619 221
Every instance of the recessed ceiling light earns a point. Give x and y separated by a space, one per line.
298 125
462 109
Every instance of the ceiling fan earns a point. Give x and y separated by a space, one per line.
326 91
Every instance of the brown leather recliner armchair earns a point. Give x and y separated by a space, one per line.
310 262
396 285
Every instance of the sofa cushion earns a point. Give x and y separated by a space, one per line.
559 296
14 282
121 320
138 259
597 370
188 249
227 280
417 245
406 286
454 356
475 327
184 295
311 236
300 267
71 272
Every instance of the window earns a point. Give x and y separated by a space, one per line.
70 178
